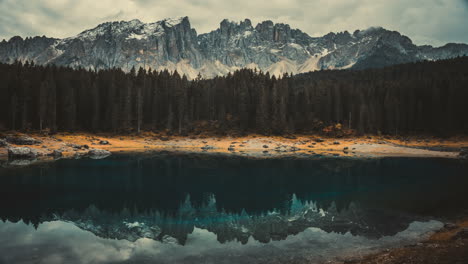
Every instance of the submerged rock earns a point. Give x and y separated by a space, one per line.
450 226
22 153
462 234
21 162
99 153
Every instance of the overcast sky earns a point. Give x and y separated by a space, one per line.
425 21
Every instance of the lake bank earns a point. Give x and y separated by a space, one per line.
69 145
448 245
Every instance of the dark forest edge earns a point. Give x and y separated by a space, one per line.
417 98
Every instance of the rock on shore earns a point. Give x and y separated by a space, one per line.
24 140
22 153
99 153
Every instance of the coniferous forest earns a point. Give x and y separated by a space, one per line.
416 98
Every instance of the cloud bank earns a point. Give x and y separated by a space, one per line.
61 242
433 22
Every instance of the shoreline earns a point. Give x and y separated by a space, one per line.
447 245
72 145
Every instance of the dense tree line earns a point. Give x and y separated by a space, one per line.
425 97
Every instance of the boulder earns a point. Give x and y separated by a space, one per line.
231 149
463 153
319 140
104 142
336 143
21 153
265 146
75 146
3 143
79 155
23 140
99 153
450 226
207 147
56 154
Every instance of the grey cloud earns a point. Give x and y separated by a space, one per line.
63 242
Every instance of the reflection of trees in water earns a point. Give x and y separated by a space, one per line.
264 227
152 186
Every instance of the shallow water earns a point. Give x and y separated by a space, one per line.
207 209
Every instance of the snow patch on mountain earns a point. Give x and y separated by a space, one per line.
282 67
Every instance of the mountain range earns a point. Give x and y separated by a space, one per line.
174 45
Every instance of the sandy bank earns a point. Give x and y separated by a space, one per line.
249 146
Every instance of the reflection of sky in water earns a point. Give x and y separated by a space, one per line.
60 242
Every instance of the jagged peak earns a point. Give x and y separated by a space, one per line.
170 22
227 22
15 38
266 23
372 30
247 22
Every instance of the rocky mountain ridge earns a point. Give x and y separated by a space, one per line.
174 45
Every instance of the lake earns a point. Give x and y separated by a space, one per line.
167 208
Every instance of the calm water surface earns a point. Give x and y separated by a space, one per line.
206 209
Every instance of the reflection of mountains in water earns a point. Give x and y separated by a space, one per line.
272 225
253 197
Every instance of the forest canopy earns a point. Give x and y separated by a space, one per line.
417 98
